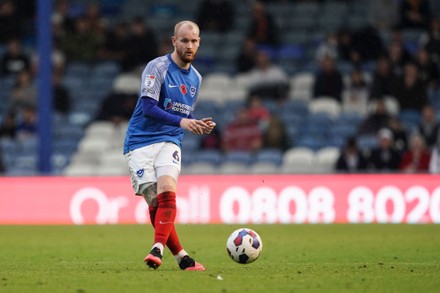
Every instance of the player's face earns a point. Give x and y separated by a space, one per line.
186 43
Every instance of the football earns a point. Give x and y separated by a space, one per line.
244 245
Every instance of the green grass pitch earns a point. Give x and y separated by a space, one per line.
295 258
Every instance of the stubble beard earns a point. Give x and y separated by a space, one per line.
186 58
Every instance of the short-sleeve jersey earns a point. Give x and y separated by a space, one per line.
175 90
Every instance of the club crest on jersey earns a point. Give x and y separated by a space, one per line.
140 172
183 89
192 91
167 104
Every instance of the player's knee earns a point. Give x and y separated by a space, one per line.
167 199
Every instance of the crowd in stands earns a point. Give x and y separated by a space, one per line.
359 68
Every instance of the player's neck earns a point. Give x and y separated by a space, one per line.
179 61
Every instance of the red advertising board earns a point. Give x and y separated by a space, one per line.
227 199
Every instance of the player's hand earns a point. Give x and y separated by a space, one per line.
194 126
211 124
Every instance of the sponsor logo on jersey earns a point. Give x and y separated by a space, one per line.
167 104
192 91
140 173
176 157
172 86
183 89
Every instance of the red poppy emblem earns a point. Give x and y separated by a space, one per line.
183 89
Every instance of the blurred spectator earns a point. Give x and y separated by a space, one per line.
409 90
267 79
429 128
356 94
62 22
14 60
367 45
24 92
415 14
8 128
345 45
27 124
10 22
117 107
211 141
377 120
351 159
275 135
430 41
245 60
398 57
383 79
416 159
329 47
82 44
328 81
215 15
2 165
384 158
263 28
383 14
428 70
258 111
61 96
93 16
58 60
400 137
142 45
434 163
165 46
242 134
116 42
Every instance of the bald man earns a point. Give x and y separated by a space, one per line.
152 146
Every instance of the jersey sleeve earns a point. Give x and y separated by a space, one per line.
152 79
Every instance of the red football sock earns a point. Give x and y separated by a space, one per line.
173 242
165 216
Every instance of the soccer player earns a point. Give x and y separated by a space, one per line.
152 146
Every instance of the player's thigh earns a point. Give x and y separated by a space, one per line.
141 166
168 165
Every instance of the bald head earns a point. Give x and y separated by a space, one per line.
186 24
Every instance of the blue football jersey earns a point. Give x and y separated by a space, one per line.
176 91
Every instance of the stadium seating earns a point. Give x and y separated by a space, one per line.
317 126
298 160
231 167
325 160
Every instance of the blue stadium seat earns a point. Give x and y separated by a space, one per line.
367 142
410 118
67 131
73 83
208 156
28 146
313 142
274 156
238 157
78 69
106 68
191 142
65 146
